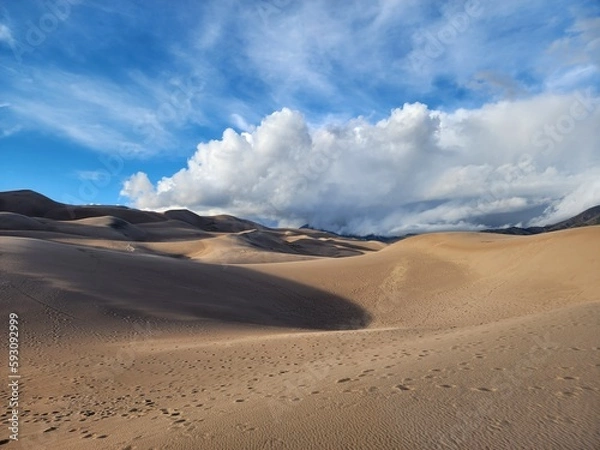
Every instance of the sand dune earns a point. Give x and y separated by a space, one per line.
234 240
13 221
222 223
167 334
458 279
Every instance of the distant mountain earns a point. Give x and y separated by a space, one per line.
27 203
222 223
368 237
587 218
27 213
34 205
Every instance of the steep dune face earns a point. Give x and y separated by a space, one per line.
98 285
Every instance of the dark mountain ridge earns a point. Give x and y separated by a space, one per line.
589 217
34 205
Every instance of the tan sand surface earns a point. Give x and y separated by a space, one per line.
165 336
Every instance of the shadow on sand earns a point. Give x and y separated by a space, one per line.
108 283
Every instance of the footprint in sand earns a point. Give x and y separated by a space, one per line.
567 394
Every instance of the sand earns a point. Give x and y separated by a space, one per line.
164 335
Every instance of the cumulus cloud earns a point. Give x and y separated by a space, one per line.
417 170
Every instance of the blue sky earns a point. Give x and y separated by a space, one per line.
100 101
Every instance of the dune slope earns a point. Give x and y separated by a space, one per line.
454 340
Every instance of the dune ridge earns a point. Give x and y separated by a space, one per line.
152 232
169 334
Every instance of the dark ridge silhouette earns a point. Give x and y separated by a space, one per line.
34 205
27 203
31 204
133 216
589 217
222 223
28 211
367 237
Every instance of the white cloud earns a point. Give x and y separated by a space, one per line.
92 175
241 123
138 117
578 53
321 57
584 196
304 50
6 35
6 132
418 169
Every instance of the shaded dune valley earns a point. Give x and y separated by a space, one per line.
141 330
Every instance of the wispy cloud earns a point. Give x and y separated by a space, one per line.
129 118
6 132
579 54
322 57
91 175
6 36
327 60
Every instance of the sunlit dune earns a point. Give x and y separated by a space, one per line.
165 335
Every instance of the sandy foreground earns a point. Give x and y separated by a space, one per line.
453 340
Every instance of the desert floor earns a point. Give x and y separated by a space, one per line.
187 341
